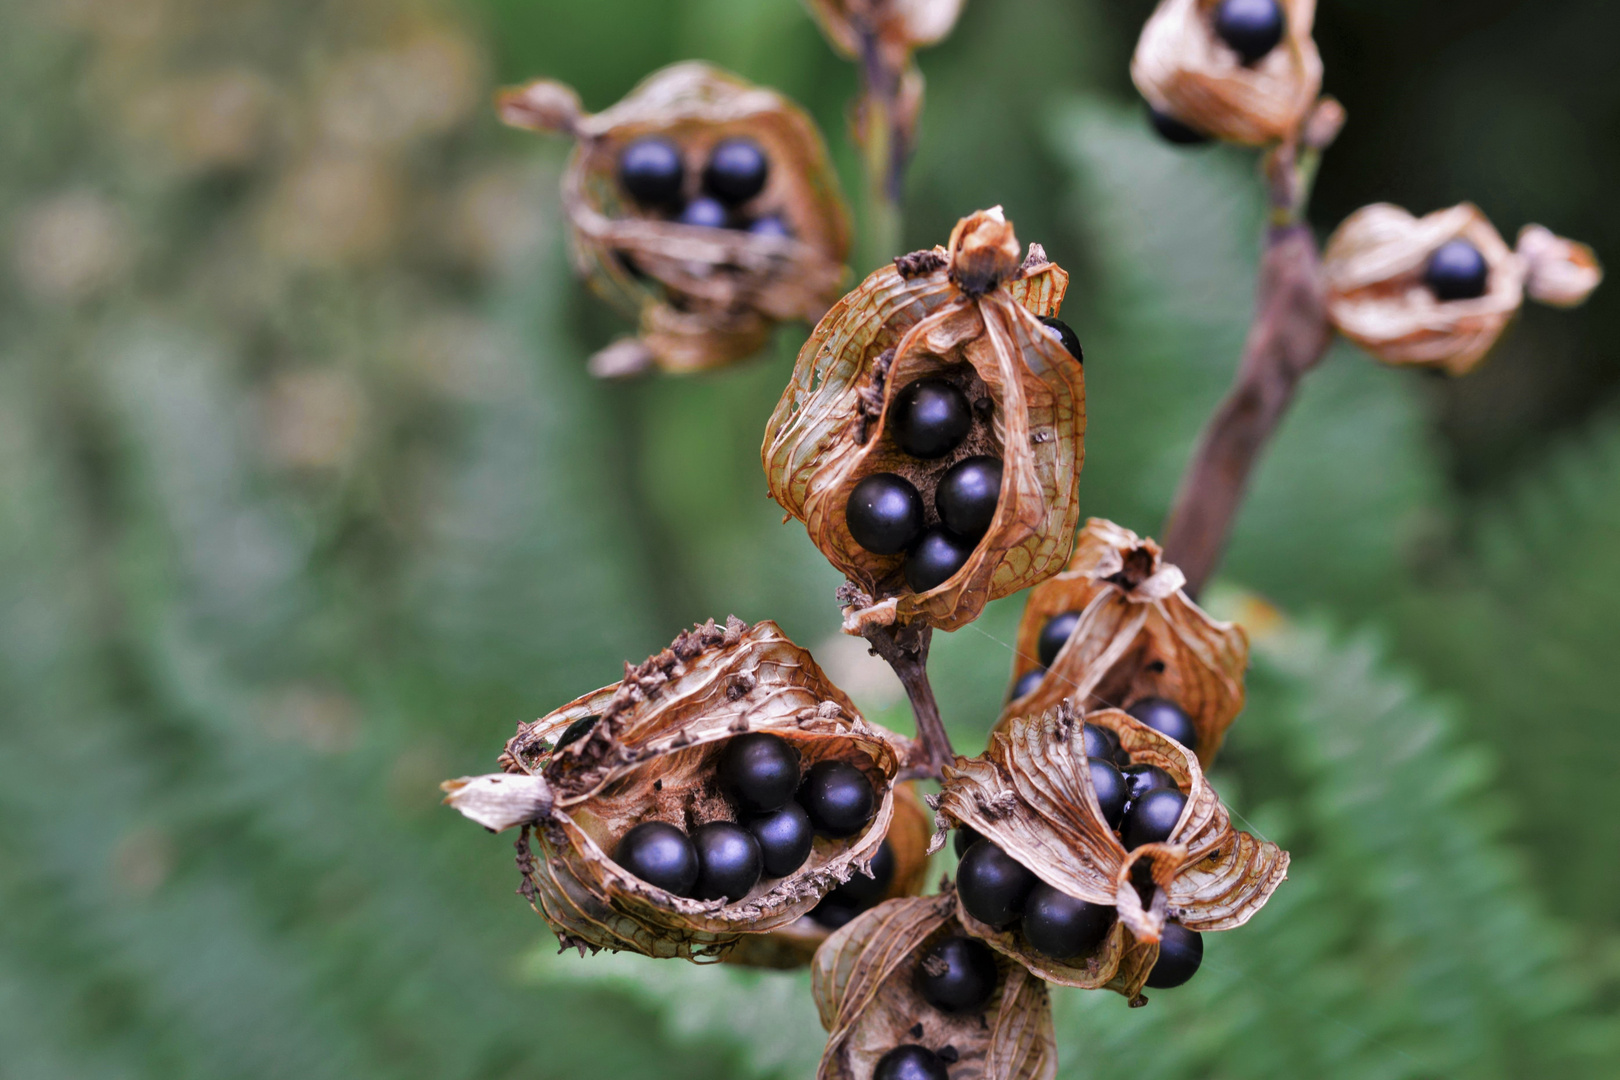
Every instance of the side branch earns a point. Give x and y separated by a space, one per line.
906 651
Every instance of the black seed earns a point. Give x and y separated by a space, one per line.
910 1062
785 837
833 913
937 556
1065 335
863 891
703 211
771 226
948 1054
838 797
661 855
1174 131
1100 742
1141 779
736 171
1457 271
1063 926
968 494
958 974
1252 27
1152 818
992 884
729 861
884 514
1181 951
929 418
576 731
1167 718
650 170
966 837
1110 789
1054 634
1027 682
760 771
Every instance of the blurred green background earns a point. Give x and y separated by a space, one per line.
306 501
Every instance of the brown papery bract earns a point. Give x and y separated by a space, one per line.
967 314
864 985
651 754
1183 68
705 297
1139 636
1030 794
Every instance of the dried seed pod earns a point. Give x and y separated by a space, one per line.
1137 636
1185 70
792 946
895 27
967 315
1381 293
1031 794
865 984
705 296
648 749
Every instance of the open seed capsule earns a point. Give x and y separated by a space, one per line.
648 753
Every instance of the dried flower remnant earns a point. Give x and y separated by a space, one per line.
1204 67
1173 860
1438 291
660 770
903 982
945 357
1115 628
702 205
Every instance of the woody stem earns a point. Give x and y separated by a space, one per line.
906 651
884 147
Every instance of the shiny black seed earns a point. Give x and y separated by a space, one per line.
785 837
576 731
966 837
1174 131
992 885
1100 742
1054 634
650 170
1167 718
958 974
729 861
661 855
760 771
865 891
1457 271
703 211
910 1062
1063 926
771 226
1065 335
1110 789
832 912
1027 682
736 171
1152 818
967 496
884 514
937 556
1252 27
1181 951
1141 779
838 797
929 418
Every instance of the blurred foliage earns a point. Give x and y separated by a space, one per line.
305 500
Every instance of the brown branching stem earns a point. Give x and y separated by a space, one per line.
905 648
883 133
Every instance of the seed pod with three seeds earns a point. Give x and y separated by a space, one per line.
1082 901
932 437
1438 291
722 788
1115 628
903 986
1246 71
702 205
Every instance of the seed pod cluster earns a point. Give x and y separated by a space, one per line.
932 435
905 994
1438 291
1092 873
702 205
1246 71
722 788
1115 628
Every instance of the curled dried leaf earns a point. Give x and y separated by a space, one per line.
894 27
1138 636
864 983
704 296
647 749
1031 794
1184 69
966 314
1557 271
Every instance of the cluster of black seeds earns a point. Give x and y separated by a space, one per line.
1251 28
956 975
1142 804
652 173
779 814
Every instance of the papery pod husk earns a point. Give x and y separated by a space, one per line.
1030 793
1183 68
973 304
862 981
896 27
910 830
1557 272
709 296
652 757
1139 636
